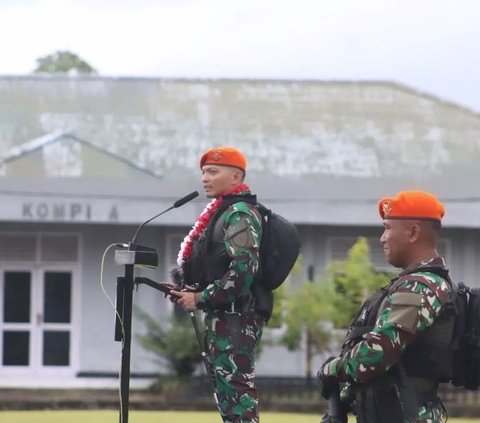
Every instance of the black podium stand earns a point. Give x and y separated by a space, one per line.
134 255
131 255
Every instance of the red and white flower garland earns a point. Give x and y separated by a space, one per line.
202 222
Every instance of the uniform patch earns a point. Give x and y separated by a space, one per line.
404 312
239 234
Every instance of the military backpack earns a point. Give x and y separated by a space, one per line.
280 244
465 341
466 338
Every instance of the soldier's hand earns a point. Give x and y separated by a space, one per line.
185 299
168 286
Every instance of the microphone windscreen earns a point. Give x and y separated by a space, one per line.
185 199
177 277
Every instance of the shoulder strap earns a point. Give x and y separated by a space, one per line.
443 273
228 200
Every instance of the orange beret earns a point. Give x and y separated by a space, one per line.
224 156
411 205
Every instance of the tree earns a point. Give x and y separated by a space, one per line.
316 308
308 312
63 61
278 305
352 281
175 345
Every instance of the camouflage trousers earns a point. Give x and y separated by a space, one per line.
231 339
433 412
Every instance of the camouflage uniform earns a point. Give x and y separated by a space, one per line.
233 329
405 314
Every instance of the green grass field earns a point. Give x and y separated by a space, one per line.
151 417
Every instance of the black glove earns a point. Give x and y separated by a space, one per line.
326 382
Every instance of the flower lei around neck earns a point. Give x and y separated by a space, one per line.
202 222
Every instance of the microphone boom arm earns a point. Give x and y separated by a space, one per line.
175 205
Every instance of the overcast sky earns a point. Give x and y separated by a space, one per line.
430 45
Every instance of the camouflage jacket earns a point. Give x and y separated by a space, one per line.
405 313
242 229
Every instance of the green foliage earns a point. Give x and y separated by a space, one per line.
63 61
278 307
176 345
280 295
307 310
351 282
315 306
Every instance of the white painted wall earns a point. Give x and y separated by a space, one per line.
99 353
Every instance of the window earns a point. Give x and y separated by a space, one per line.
58 247
18 247
39 247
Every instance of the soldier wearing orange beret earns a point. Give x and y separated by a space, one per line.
412 221
398 350
223 266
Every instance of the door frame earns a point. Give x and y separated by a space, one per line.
38 269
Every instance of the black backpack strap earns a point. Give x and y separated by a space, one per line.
356 332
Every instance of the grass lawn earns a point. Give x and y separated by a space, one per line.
151 417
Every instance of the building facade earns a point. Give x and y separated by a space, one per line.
84 161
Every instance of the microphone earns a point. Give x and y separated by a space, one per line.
176 204
186 199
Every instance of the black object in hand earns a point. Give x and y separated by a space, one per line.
327 383
330 390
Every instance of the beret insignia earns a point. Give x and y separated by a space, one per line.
216 155
387 208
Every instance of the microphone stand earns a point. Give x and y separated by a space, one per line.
123 332
134 254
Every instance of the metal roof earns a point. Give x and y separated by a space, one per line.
319 152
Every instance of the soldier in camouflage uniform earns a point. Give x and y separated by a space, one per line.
397 349
221 257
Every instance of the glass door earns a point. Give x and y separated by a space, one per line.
17 324
36 321
55 321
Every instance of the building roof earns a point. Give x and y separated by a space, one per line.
320 152
61 165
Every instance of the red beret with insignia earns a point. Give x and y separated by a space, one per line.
413 204
224 156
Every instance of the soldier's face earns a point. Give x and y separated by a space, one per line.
396 240
217 180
